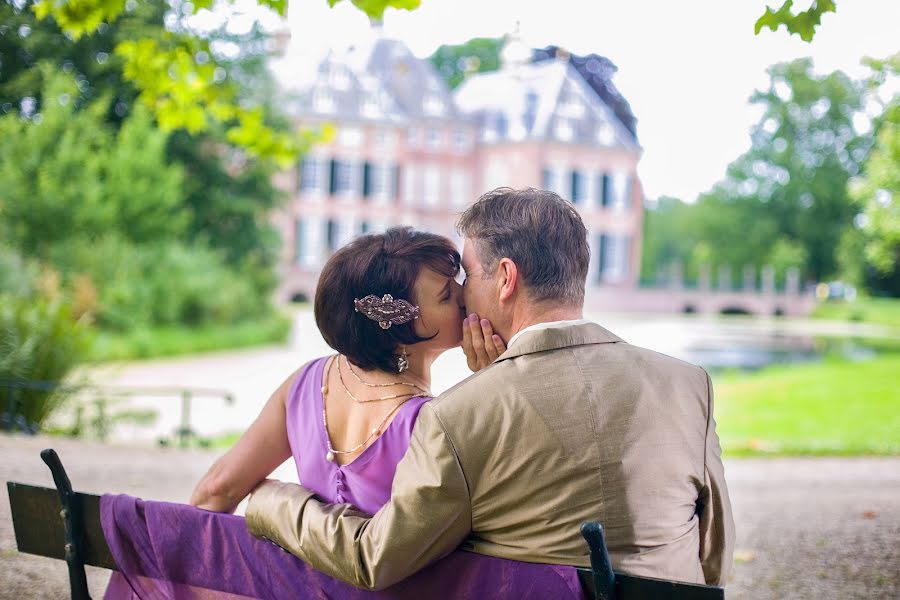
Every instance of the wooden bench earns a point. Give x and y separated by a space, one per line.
64 524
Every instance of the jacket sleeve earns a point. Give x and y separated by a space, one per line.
716 521
428 515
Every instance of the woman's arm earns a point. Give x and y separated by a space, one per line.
256 454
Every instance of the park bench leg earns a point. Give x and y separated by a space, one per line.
73 524
601 569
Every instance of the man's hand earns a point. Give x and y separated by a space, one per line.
481 345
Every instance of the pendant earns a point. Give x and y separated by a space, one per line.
329 456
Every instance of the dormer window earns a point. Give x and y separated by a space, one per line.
323 101
433 105
340 77
605 134
370 106
563 130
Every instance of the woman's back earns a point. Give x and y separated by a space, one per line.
364 482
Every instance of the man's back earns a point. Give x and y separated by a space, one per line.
570 425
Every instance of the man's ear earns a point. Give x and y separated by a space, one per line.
507 279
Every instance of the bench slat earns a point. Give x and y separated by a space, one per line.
39 528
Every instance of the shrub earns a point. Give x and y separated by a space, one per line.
40 340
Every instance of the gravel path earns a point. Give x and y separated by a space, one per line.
807 528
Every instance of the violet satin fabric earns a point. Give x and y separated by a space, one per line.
175 551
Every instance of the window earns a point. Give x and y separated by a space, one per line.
378 181
370 106
341 177
385 139
331 235
299 241
578 190
621 184
412 137
605 134
433 105
311 175
563 130
613 258
459 188
461 141
410 189
340 77
323 101
432 192
502 126
604 189
530 113
497 174
433 139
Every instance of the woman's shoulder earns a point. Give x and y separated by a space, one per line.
307 380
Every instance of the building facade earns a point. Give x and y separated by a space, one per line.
405 151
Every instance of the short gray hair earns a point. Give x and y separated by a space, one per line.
540 232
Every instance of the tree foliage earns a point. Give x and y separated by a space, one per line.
66 173
802 23
478 55
177 73
870 252
785 201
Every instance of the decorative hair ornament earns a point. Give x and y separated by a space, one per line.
386 311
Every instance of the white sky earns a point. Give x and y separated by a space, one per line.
687 68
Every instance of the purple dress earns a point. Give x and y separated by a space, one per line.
176 551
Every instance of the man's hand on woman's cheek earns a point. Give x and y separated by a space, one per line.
481 345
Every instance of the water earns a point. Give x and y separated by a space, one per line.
715 343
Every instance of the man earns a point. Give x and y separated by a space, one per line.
569 424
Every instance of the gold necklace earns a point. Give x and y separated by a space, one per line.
329 455
357 400
367 384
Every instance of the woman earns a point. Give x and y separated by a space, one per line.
389 304
347 419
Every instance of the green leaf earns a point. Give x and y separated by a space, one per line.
803 23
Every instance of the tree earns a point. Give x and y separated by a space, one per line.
66 174
870 252
785 201
803 151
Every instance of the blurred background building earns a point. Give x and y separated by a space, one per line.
407 151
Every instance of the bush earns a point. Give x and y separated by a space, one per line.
161 284
40 340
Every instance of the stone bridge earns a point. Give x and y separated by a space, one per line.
675 297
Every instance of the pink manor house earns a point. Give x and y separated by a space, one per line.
407 151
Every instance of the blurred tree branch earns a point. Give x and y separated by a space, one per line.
179 78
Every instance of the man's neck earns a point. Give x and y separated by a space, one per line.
544 314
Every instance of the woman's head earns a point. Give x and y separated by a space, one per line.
409 265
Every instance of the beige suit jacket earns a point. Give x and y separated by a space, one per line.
569 425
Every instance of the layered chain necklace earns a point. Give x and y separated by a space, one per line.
330 454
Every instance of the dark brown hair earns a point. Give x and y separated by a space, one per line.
382 263
540 232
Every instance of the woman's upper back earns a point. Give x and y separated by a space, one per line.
366 481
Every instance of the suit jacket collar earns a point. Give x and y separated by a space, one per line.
554 338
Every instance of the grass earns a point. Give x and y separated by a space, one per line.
170 341
836 407
880 311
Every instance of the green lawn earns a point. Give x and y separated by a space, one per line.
836 407
170 341
882 311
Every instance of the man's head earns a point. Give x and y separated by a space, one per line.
523 249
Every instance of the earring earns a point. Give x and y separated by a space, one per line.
403 361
